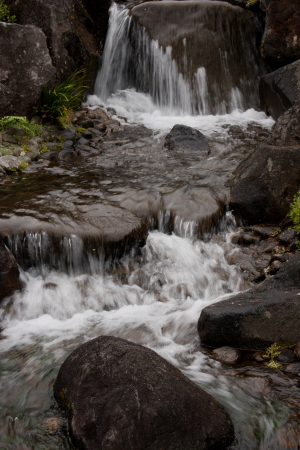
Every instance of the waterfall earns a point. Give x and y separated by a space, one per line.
208 64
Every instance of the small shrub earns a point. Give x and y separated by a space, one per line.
56 104
271 353
5 15
31 128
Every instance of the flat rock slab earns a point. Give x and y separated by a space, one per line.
259 317
183 138
120 395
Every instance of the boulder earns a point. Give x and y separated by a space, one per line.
120 395
9 162
280 89
255 319
281 39
25 66
264 184
69 28
286 130
9 272
182 138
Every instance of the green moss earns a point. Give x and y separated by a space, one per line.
5 15
23 166
295 214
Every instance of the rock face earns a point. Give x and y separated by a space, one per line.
286 130
9 272
25 66
280 89
259 317
262 186
183 138
119 395
69 28
281 40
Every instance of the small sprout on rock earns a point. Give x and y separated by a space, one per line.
23 166
271 353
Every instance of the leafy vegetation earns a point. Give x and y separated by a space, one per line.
271 353
31 128
5 15
295 214
56 104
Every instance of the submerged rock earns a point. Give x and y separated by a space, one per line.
120 395
183 138
257 318
263 185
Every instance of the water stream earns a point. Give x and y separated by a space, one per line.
152 295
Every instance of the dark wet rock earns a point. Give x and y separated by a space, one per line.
69 30
286 356
100 126
238 257
286 130
274 176
53 145
297 350
258 357
86 134
264 231
120 395
35 143
267 313
9 272
244 239
15 131
292 368
253 273
281 39
50 156
287 236
182 138
255 386
275 266
8 139
268 245
237 132
68 134
227 355
280 89
82 141
97 133
68 144
283 257
85 122
22 77
262 261
66 154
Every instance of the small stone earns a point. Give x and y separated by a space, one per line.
286 356
227 355
268 245
7 138
35 143
52 425
66 154
10 162
67 144
244 239
50 156
264 231
292 368
100 126
287 236
86 134
95 132
258 357
297 350
82 141
283 257
33 155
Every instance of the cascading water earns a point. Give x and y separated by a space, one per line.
152 297
182 55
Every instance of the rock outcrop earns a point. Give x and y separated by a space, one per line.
263 185
257 318
69 28
281 39
120 395
286 130
280 89
9 272
25 66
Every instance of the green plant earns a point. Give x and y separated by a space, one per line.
5 15
31 128
23 166
271 353
295 214
56 104
251 3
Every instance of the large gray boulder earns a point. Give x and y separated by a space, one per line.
120 395
25 66
257 318
182 138
280 89
73 36
281 39
264 184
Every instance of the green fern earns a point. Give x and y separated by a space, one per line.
271 353
32 129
